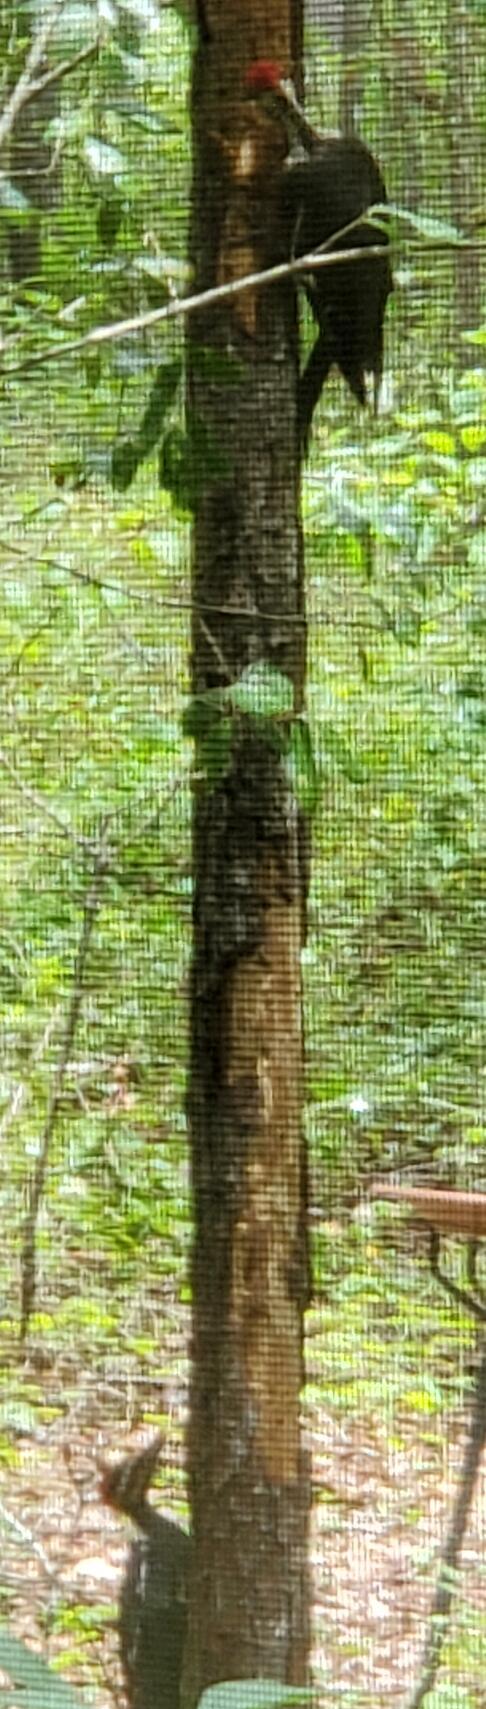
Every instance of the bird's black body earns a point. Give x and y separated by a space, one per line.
326 188
319 197
152 1616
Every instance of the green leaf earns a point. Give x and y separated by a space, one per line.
264 692
254 1694
203 712
103 160
473 438
130 452
440 231
215 750
74 28
421 1400
124 464
145 12
476 337
301 767
443 443
176 468
39 1685
161 398
109 219
12 201
18 1417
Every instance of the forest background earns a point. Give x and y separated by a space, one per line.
95 847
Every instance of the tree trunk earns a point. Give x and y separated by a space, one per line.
356 26
465 76
249 1613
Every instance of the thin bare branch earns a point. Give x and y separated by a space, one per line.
135 596
22 91
27 1536
179 307
183 306
62 70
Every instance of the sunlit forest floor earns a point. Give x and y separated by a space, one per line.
380 1510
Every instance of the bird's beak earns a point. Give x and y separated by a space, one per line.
287 89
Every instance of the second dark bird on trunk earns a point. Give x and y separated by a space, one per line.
152 1616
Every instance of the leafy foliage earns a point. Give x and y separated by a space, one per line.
94 626
254 1694
38 1684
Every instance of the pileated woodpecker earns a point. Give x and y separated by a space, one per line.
328 183
152 1618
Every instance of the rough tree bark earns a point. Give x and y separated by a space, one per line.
249 1612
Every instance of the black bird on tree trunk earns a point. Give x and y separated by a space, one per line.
328 184
152 1615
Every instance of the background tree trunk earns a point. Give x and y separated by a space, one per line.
29 170
465 68
249 1615
356 24
30 164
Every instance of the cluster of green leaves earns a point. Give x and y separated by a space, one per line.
113 245
39 1685
261 700
114 240
395 530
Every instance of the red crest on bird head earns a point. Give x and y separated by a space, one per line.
263 77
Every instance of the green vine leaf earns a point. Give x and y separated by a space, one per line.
263 692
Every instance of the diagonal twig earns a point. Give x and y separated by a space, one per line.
22 91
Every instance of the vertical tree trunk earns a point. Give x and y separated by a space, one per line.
400 121
249 1614
406 113
465 81
356 24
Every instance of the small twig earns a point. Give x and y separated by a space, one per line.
41 806
29 1257
468 1301
62 70
139 597
28 1538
